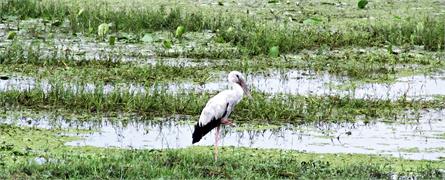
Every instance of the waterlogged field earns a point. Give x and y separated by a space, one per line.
112 89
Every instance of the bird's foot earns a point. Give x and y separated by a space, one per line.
227 122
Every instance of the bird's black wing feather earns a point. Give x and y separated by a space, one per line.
201 131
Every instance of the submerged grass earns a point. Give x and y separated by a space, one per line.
25 61
368 64
254 35
37 153
274 109
373 64
130 74
243 32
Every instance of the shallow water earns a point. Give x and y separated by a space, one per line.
18 83
292 82
295 82
418 86
421 139
28 83
299 82
289 82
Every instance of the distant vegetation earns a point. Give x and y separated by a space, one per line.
254 35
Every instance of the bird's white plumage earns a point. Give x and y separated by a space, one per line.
224 101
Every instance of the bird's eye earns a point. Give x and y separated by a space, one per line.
237 76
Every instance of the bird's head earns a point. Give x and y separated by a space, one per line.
238 78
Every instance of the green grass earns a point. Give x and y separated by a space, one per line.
253 35
370 64
321 36
20 146
25 60
147 75
274 109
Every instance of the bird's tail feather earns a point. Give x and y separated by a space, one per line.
201 131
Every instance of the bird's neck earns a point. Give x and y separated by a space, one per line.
238 89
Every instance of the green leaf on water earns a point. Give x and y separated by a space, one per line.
180 30
112 40
103 29
167 44
362 4
148 38
274 51
312 21
11 35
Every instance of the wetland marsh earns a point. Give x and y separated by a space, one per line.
112 89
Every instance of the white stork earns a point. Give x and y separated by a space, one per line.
219 107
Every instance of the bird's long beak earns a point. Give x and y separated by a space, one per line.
245 88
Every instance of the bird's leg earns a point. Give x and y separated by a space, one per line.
226 121
216 143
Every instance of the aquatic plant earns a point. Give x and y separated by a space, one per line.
38 153
370 64
254 35
180 30
103 29
158 102
11 35
362 4
274 51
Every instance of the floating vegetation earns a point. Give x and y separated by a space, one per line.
362 4
11 35
271 109
274 51
308 62
103 29
254 35
32 152
362 64
180 31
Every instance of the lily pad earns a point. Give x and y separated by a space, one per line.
167 44
180 30
148 38
103 29
312 21
274 51
362 4
11 35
